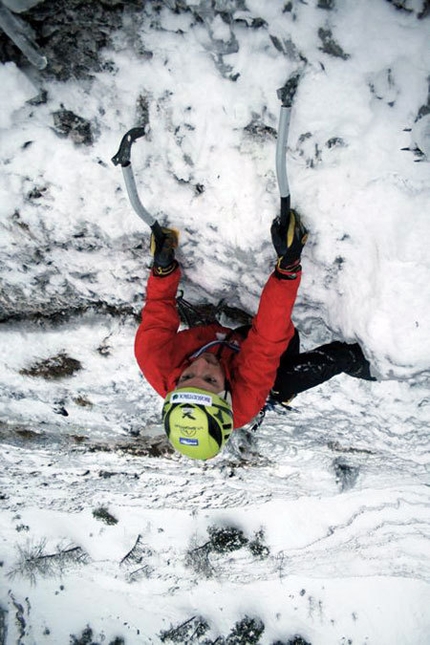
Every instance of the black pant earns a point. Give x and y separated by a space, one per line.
299 372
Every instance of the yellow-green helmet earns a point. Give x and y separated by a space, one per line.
197 422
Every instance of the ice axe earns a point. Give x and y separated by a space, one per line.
123 158
286 96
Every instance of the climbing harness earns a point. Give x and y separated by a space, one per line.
221 343
194 315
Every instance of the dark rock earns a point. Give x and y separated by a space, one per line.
188 632
260 130
40 99
73 126
326 4
246 632
335 142
226 539
296 640
346 474
61 410
330 46
55 367
3 623
142 111
104 516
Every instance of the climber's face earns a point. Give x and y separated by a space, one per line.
205 372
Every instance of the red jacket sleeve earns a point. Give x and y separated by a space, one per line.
156 335
258 360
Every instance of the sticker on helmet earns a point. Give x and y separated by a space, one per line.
187 412
191 397
188 442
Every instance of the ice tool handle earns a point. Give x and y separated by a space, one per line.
286 96
123 158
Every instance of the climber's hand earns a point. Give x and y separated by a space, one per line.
288 240
163 250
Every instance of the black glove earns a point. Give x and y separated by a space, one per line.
163 250
288 241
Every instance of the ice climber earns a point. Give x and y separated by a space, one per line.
214 379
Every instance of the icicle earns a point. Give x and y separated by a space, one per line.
18 31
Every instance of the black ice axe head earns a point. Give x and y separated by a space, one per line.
123 158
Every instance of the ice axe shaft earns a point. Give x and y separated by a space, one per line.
286 96
123 158
281 162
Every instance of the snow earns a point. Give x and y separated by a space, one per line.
337 488
19 89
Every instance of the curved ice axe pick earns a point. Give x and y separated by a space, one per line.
286 95
123 157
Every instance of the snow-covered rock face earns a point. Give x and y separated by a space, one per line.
339 484
203 78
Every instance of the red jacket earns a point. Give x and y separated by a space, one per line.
163 352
